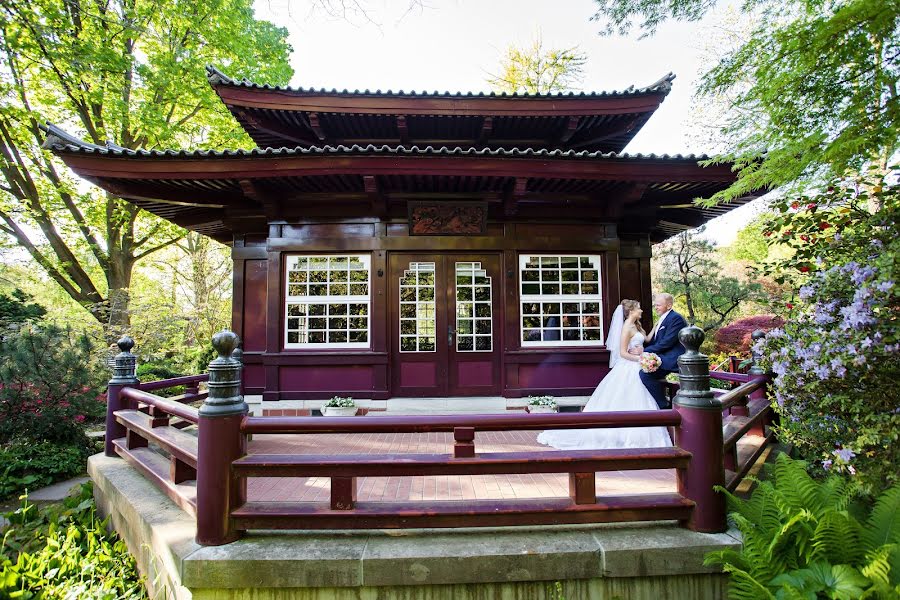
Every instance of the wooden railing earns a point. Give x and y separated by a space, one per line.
206 471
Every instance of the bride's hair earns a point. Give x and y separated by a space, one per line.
628 306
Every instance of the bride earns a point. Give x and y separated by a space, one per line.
620 390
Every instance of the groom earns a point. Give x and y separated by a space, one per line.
664 343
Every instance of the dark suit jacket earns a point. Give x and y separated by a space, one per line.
665 343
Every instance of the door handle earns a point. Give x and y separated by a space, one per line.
450 332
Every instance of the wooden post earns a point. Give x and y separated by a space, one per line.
700 433
220 443
343 493
583 488
123 376
464 442
756 371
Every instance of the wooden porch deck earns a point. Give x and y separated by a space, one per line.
436 488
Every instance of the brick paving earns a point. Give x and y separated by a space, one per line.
455 487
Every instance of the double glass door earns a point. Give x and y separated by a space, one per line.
445 325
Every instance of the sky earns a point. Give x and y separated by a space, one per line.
456 44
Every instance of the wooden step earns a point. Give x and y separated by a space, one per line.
483 513
180 444
155 467
397 465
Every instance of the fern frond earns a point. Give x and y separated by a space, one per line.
836 539
792 545
878 565
883 525
742 586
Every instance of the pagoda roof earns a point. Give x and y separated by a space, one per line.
221 193
277 116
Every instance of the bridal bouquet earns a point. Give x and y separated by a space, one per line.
649 362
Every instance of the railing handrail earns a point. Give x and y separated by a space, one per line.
732 397
732 377
162 384
439 423
188 413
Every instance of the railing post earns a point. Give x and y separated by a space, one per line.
123 376
238 355
700 433
757 371
220 443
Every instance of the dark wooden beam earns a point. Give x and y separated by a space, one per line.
195 219
436 105
568 131
615 204
512 196
272 128
614 130
377 198
487 125
137 191
316 126
402 129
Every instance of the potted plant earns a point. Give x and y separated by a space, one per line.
542 404
339 407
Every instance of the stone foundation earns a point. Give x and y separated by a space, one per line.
651 561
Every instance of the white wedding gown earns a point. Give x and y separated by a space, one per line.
620 390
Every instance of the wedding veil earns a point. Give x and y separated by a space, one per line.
615 335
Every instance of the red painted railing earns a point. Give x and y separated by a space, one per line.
707 431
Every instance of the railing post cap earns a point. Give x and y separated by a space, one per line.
125 344
224 343
758 335
691 337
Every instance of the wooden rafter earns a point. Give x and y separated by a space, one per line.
276 129
614 130
487 125
402 130
568 131
377 198
512 196
316 126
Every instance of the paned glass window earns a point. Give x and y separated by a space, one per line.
473 308
560 300
327 302
417 317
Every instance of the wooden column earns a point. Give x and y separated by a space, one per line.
220 443
700 433
123 376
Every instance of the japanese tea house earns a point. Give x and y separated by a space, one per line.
396 244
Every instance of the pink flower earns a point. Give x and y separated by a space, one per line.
79 418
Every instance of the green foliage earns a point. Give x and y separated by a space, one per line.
16 308
690 270
838 357
65 551
32 465
128 71
49 386
813 88
804 538
533 70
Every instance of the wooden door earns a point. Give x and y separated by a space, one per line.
445 334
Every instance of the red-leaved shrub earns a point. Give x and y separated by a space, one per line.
735 338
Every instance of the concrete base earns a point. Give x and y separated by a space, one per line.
641 561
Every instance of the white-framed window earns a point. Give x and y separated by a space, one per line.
560 300
417 316
327 301
473 308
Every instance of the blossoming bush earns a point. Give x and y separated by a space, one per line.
48 388
735 338
837 359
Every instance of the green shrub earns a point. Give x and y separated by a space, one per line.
29 466
804 538
49 389
65 551
148 372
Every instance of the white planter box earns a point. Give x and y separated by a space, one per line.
543 409
339 411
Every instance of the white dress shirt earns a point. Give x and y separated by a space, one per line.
658 323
